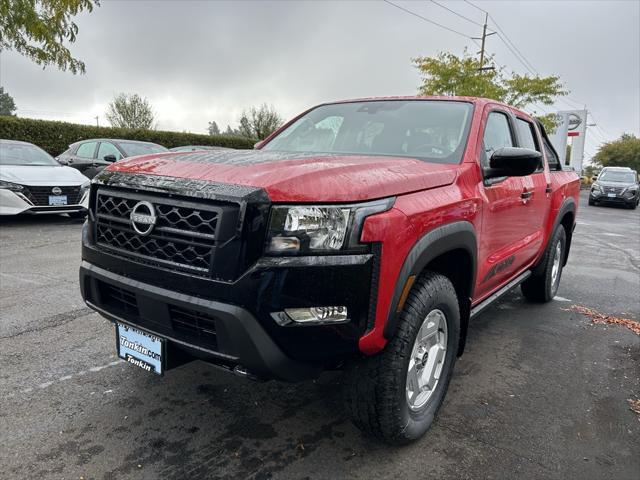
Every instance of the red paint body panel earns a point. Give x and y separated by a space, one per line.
310 179
511 233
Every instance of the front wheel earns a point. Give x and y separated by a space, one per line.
396 394
543 286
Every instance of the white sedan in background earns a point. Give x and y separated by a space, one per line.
31 181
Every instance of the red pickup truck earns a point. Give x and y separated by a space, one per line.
363 235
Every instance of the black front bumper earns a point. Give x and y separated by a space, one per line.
230 323
236 329
617 200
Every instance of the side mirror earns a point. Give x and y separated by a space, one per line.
513 162
110 158
258 145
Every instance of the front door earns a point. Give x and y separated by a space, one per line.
505 228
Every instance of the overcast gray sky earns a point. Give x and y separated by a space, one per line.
207 60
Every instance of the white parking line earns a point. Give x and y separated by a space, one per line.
21 279
64 378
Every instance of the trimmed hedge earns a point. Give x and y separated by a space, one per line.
55 137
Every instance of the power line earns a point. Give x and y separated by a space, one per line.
518 54
427 20
507 41
529 66
456 13
475 6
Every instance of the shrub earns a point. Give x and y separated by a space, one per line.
55 137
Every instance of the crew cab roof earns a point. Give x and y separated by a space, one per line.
480 101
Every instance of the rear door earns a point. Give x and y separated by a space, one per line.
84 157
105 149
536 193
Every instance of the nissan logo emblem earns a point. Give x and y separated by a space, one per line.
143 218
574 121
56 190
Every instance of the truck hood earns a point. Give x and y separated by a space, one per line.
42 175
298 177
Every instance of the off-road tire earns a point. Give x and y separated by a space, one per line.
375 387
541 287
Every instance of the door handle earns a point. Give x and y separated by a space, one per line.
526 195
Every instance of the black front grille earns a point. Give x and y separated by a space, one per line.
183 324
194 325
183 236
616 190
40 195
122 301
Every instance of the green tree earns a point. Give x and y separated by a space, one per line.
448 74
259 122
38 30
213 128
7 105
130 111
624 152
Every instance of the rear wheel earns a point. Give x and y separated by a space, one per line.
542 286
396 394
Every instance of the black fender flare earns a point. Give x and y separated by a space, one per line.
568 206
443 239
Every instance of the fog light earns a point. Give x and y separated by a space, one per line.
284 244
311 316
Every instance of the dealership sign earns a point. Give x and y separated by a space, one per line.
572 123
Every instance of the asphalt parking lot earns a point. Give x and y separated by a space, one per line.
541 392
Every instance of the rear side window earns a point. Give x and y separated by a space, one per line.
87 150
552 158
527 134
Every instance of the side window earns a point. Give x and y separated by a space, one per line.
527 135
497 134
528 138
86 150
107 148
552 158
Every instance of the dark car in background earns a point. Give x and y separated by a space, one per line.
92 156
616 185
195 148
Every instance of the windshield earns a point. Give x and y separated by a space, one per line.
24 154
622 177
430 130
132 148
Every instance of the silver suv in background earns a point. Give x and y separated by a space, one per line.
616 185
92 156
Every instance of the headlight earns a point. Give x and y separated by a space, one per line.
85 186
299 229
596 188
14 187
